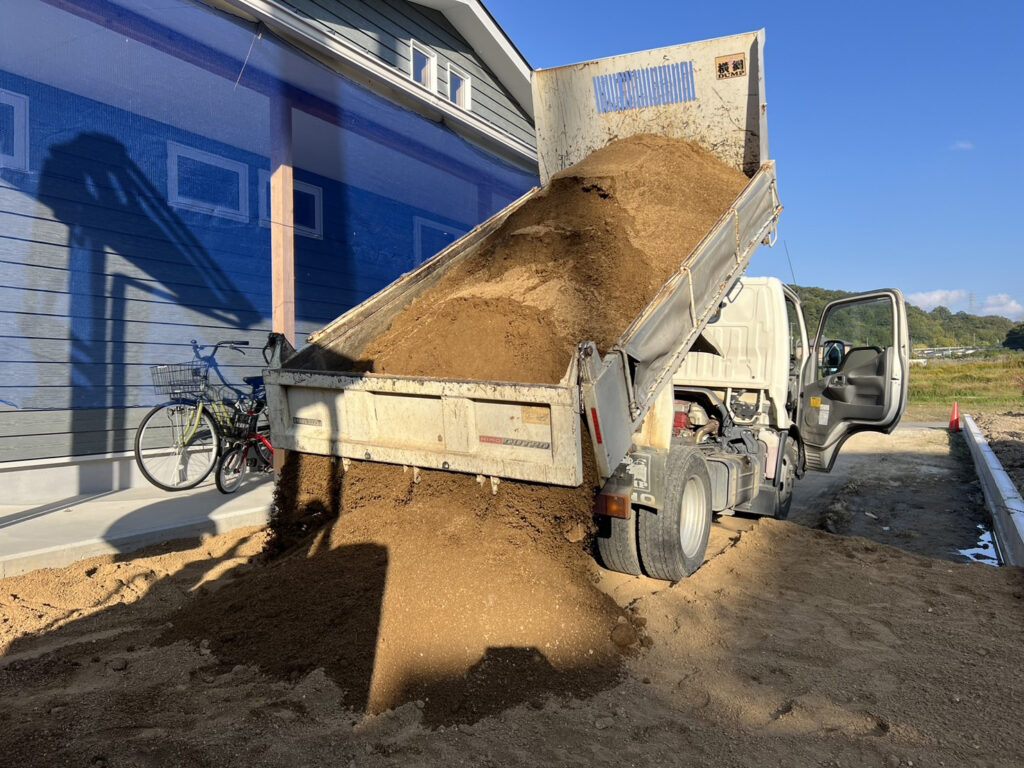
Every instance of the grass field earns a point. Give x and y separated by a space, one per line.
978 385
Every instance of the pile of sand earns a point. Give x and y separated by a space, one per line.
793 647
438 591
576 263
469 591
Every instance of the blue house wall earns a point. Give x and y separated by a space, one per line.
102 275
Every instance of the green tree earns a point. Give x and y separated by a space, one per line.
938 328
1015 337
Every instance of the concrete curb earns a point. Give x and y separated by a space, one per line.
1001 496
64 555
120 523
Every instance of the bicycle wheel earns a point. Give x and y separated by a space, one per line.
265 454
231 469
176 445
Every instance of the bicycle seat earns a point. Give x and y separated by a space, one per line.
253 381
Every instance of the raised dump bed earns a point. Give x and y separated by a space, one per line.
324 401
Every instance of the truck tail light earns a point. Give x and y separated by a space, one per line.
681 423
612 505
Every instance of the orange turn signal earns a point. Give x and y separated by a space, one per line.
612 505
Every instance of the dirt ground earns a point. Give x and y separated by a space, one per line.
1005 434
915 490
791 646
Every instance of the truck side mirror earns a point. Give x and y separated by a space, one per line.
832 352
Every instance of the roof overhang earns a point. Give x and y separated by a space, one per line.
371 71
475 23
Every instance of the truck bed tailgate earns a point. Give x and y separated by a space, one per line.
518 431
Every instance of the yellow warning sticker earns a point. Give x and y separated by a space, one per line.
815 402
536 414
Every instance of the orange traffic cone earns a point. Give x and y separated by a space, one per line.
954 419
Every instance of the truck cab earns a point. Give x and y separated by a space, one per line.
755 403
756 372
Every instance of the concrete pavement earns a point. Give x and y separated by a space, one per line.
57 534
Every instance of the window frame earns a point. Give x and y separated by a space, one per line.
317 192
19 102
176 151
418 223
467 82
431 57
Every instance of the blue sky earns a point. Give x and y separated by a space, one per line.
898 129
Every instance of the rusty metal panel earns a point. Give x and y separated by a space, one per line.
711 92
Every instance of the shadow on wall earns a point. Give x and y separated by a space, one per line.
126 247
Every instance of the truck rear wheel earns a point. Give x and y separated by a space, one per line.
674 539
616 543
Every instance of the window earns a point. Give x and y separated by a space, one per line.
459 85
855 332
207 183
13 131
424 65
432 237
796 332
308 206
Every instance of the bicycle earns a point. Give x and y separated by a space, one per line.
251 449
178 443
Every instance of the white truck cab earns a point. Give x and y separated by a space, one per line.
753 405
754 360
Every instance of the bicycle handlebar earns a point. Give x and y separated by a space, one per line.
232 343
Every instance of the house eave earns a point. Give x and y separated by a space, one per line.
342 55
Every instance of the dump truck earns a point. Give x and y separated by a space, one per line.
713 401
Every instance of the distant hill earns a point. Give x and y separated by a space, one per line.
938 328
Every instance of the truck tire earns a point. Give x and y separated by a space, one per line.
674 539
784 498
616 543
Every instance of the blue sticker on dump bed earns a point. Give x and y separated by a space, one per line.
651 87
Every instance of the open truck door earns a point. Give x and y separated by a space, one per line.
855 379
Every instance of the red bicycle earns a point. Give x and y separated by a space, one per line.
248 447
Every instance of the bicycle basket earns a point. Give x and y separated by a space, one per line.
242 423
178 379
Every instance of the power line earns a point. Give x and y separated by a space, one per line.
791 272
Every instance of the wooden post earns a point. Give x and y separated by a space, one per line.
282 218
282 228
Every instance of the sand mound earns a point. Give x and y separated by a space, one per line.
794 647
436 591
440 590
576 263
